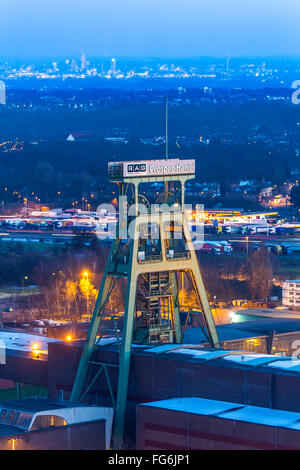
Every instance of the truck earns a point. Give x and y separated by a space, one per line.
210 249
214 248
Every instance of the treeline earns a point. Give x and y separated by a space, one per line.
20 267
146 117
225 278
67 171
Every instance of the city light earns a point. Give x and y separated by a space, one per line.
233 317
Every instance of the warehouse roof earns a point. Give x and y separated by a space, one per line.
248 329
267 312
35 405
24 341
264 326
233 411
230 357
15 341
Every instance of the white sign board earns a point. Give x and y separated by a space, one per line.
159 168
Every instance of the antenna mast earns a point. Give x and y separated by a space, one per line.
167 137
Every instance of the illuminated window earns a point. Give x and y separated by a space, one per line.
47 421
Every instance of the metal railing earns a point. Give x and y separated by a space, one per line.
179 255
150 259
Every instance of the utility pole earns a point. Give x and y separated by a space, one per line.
167 149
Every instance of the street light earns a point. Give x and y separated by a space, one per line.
23 281
86 275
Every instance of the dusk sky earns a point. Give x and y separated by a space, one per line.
144 28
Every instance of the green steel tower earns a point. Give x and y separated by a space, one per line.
152 247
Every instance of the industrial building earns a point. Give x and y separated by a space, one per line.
174 371
241 372
36 424
170 371
198 424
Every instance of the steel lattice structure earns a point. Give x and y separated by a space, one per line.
147 270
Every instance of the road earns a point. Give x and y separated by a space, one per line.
42 236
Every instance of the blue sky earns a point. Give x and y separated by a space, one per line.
144 28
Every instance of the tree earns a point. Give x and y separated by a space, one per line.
261 274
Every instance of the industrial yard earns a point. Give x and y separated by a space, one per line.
171 353
149 230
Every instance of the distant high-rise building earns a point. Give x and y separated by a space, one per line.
83 65
227 66
74 66
113 66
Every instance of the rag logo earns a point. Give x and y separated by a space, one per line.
2 93
136 168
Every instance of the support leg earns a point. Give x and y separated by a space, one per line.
91 339
176 311
125 356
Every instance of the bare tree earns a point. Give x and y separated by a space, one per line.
261 274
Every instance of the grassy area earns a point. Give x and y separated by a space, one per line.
29 247
293 270
288 268
8 291
27 391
